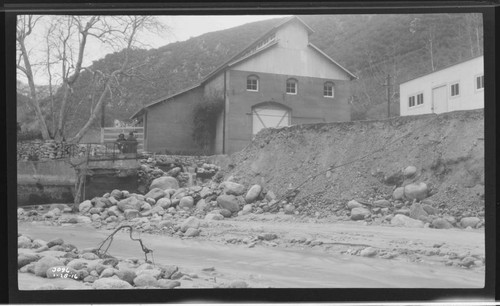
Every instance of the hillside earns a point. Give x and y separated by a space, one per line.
371 46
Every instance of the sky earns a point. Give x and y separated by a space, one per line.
180 28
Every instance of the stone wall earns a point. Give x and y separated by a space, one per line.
51 149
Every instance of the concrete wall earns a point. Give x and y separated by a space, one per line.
465 73
43 182
170 124
307 106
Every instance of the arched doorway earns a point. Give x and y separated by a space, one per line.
269 114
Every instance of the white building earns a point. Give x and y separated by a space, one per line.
456 87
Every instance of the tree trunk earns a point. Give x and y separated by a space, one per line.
34 99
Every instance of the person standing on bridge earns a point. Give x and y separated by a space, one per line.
121 143
131 143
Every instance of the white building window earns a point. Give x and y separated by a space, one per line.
420 99
455 89
328 91
253 83
480 82
291 86
411 101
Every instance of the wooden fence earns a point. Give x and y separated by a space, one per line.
110 134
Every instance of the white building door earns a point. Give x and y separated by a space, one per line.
269 116
439 100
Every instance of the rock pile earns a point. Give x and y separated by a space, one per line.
58 259
409 207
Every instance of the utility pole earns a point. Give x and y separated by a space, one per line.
103 108
388 84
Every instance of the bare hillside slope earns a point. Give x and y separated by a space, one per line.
447 151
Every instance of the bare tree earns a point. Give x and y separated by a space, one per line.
66 43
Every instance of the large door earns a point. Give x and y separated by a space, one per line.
439 100
269 116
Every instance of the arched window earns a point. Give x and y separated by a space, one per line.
328 90
291 86
253 83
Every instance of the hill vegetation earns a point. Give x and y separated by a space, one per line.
370 46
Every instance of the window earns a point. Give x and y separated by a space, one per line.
420 99
328 90
253 83
480 82
411 101
455 89
291 86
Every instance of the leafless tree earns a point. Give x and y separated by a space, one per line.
66 42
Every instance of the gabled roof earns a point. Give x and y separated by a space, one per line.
353 77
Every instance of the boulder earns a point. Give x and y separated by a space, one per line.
469 221
247 209
145 280
191 222
225 213
158 210
95 210
441 223
168 284
192 232
25 259
353 204
430 210
359 213
117 194
232 188
214 216
126 274
381 203
402 220
289 209
368 252
417 212
55 241
146 206
164 182
85 206
253 193
111 283
186 203
130 203
229 202
45 263
23 242
410 171
155 193
78 264
164 203
398 193
201 205
108 272
113 201
114 211
101 203
417 191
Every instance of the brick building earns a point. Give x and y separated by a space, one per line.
280 79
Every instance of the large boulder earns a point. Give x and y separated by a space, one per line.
168 284
359 213
353 204
23 242
130 203
114 211
145 280
164 203
192 232
191 222
45 263
126 274
155 193
24 259
232 188
416 191
402 220
417 212
441 223
85 206
164 182
381 203
111 283
186 203
253 193
398 193
229 202
201 204
410 171
131 214
469 221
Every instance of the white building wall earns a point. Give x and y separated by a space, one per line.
292 56
464 73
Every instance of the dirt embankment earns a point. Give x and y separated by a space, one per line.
447 151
